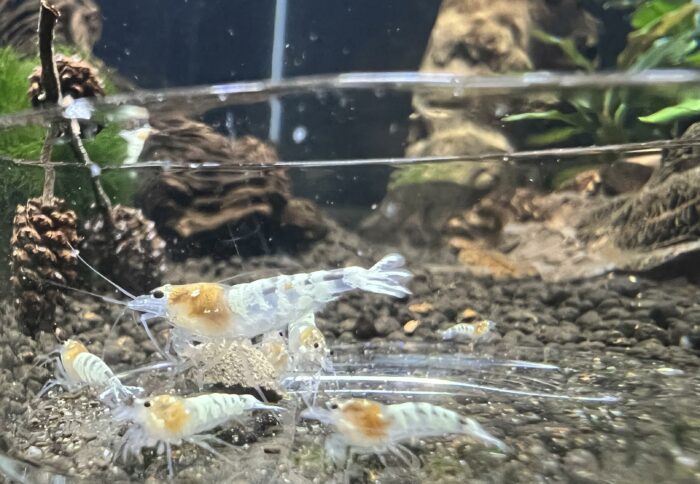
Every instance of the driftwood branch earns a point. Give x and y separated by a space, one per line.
101 198
48 16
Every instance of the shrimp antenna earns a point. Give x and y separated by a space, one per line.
83 291
114 284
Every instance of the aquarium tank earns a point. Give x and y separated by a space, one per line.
350 241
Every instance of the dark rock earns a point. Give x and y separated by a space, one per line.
364 329
385 325
566 313
589 320
662 311
677 329
616 313
645 331
582 466
609 303
556 296
624 286
596 296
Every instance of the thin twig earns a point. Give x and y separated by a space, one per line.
48 16
101 198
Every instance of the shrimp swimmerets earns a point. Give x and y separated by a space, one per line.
366 426
76 368
164 420
213 310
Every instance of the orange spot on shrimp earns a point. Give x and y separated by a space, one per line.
366 416
71 350
169 412
482 327
201 307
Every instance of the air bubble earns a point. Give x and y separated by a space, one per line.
299 134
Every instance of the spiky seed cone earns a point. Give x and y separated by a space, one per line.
133 255
77 77
42 236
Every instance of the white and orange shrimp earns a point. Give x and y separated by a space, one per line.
77 368
165 420
213 310
366 426
477 331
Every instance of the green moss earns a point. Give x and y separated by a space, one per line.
456 172
18 182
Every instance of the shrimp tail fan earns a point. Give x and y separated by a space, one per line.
387 276
476 431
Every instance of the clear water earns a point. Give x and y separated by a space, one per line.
591 371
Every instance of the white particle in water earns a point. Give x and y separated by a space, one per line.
299 134
374 206
313 36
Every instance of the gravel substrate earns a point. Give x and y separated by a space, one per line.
620 335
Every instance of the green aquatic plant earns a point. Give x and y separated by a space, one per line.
18 183
664 33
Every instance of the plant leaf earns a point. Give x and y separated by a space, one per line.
651 10
554 136
685 109
567 46
573 119
678 20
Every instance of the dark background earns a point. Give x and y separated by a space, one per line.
167 43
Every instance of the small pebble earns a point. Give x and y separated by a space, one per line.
411 326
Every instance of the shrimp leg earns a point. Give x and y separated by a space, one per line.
144 322
169 456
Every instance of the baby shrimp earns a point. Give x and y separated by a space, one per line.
469 331
366 426
274 347
165 420
76 368
307 345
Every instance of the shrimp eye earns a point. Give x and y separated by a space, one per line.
158 294
315 345
146 404
334 406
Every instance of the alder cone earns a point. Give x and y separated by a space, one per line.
77 77
42 236
132 254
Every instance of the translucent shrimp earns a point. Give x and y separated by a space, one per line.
307 345
77 368
480 330
212 310
366 426
274 347
166 420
